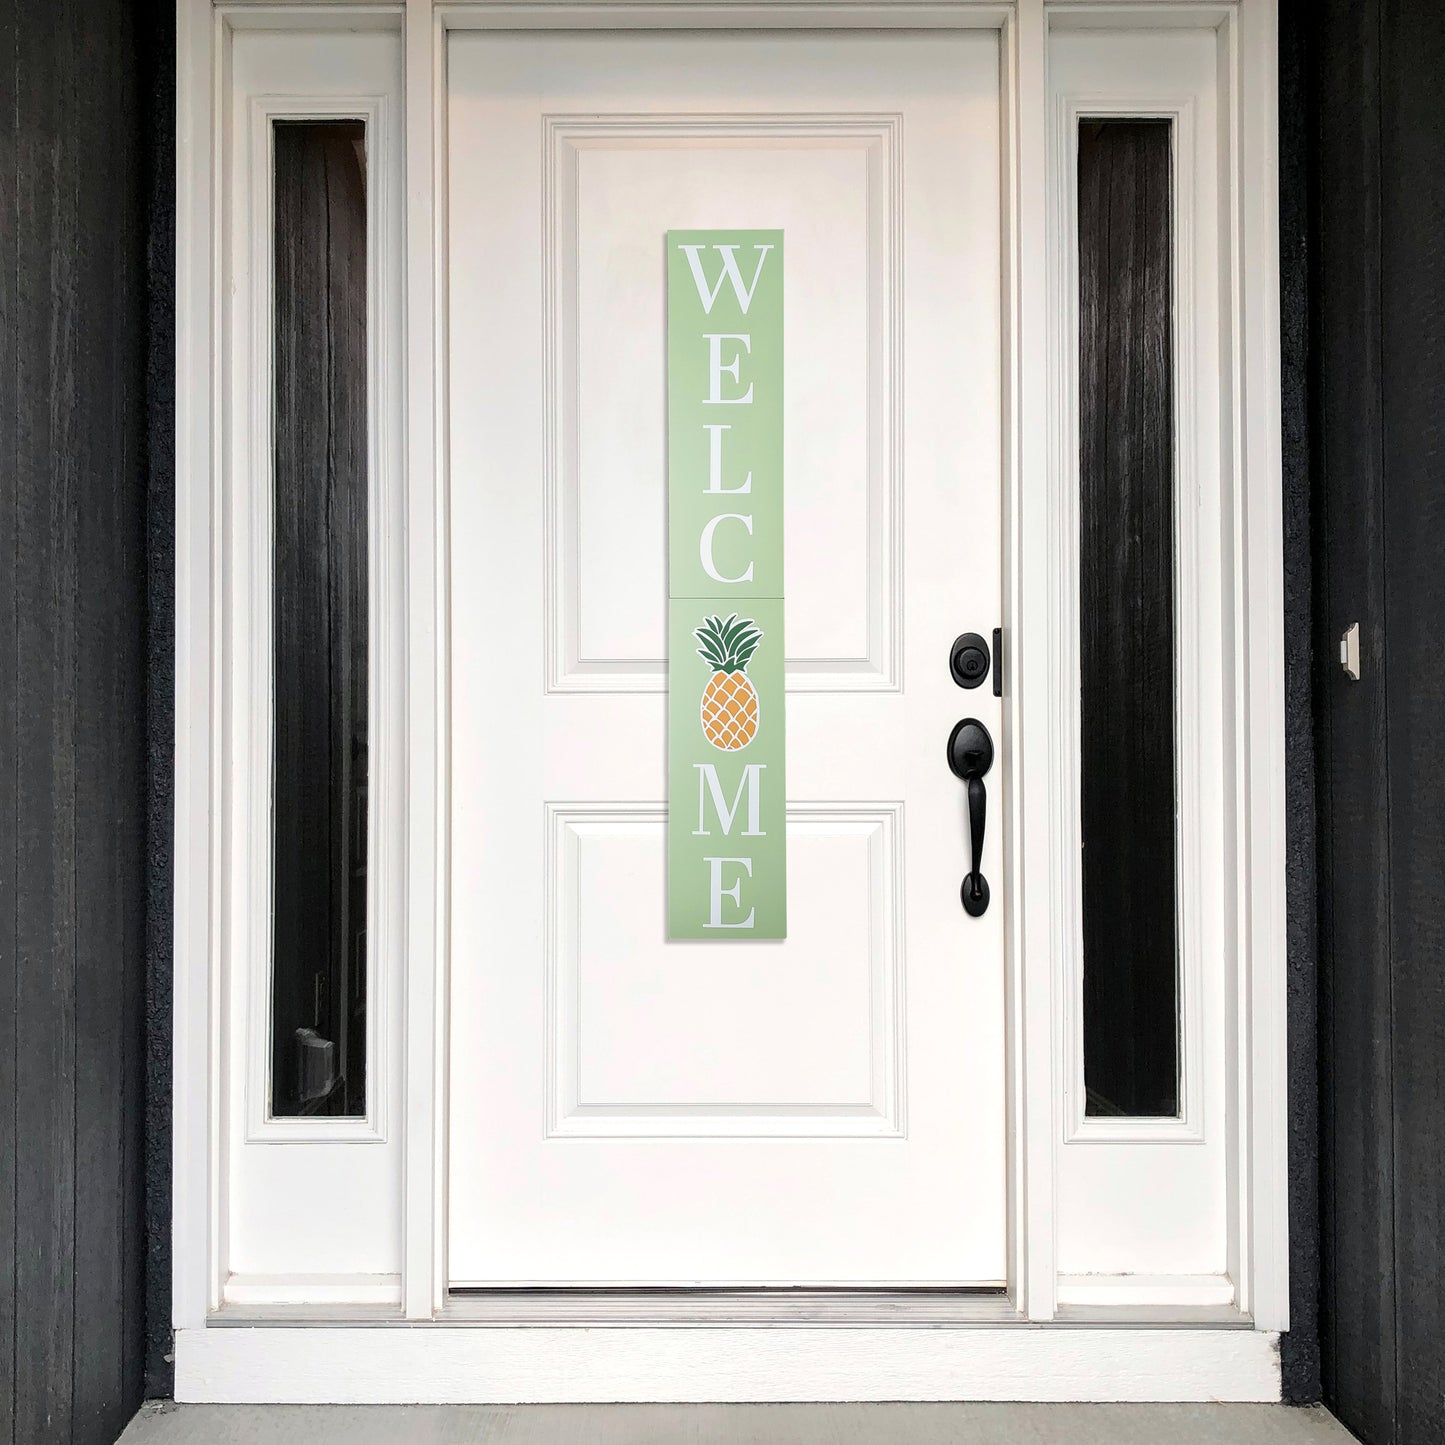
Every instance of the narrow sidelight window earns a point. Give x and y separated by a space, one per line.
319 622
1131 1015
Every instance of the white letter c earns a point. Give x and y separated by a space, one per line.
705 547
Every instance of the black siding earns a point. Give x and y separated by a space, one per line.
1412 264
1379 342
1299 1348
157 64
72 713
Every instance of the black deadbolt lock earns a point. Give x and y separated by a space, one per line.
968 659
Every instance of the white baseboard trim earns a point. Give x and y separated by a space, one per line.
443 1364
262 1291
1155 1291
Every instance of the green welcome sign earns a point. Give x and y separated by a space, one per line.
726 842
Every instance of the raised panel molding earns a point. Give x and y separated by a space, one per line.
571 1114
875 667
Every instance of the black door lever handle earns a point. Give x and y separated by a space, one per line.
970 756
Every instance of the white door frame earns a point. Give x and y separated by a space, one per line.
1194 1346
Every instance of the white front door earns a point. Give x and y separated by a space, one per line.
625 1110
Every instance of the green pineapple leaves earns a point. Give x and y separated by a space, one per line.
728 646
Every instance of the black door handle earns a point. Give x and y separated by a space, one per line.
970 755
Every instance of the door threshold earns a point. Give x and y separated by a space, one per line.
478 1363
791 1305
798 1307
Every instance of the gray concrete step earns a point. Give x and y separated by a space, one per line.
734 1425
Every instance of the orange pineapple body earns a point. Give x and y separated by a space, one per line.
729 711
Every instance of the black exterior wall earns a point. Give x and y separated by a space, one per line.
73 683
1299 1349
1376 70
158 86
86 728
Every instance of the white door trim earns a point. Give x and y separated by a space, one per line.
439 1365
424 1192
1258 1235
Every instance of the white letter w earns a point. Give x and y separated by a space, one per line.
729 272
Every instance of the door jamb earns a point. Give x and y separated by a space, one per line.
1259 1255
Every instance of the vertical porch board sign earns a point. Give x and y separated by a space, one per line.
726 838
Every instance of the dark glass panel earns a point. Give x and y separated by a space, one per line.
319 622
1127 647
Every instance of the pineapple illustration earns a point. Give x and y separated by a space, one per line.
729 701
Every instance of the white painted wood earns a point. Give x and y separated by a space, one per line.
251 509
333 16
829 1109
329 1294
424 1191
845 638
1262 1265
464 1365
723 15
196 1133
1029 684
328 1202
1137 15
1257 1254
1237 615
1146 1291
1148 1197
861 844
1088 86
603 1308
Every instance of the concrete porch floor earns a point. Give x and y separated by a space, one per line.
167 1424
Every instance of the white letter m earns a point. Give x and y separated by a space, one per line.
751 784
